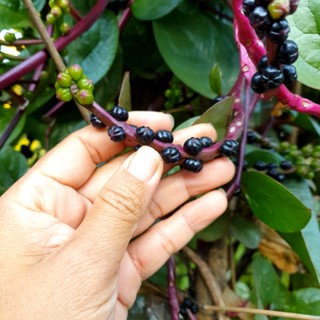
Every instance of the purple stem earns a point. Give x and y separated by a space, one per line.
172 290
11 126
251 50
54 110
124 18
31 63
191 316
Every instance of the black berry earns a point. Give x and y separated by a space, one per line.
206 142
286 165
193 146
263 62
194 308
288 52
279 31
187 302
289 74
260 19
145 135
258 85
96 122
171 155
25 150
218 99
164 136
260 165
272 165
119 113
193 165
248 6
252 137
273 173
272 77
229 148
293 5
280 177
117 133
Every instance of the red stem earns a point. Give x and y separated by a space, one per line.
172 290
31 63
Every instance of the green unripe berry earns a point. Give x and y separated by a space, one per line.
284 145
316 148
300 161
64 80
279 8
316 154
57 85
56 11
310 175
315 164
64 27
84 97
75 72
302 170
10 37
52 3
64 94
64 5
307 150
85 83
44 75
168 93
50 18
295 154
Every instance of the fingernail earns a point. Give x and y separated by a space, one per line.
144 163
170 116
222 190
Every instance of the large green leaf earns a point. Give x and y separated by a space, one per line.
13 166
6 115
306 301
305 25
149 10
265 155
96 49
192 44
306 241
273 203
219 116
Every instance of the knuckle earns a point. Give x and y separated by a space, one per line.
166 243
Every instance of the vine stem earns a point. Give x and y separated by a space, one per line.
172 290
270 313
36 20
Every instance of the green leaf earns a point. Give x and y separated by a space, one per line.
305 121
13 15
125 92
219 116
304 24
246 232
215 79
273 203
187 123
265 155
215 230
6 116
306 301
13 166
306 241
150 10
96 49
192 44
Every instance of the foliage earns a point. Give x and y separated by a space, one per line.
181 57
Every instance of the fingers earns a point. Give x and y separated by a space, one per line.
104 234
150 251
73 160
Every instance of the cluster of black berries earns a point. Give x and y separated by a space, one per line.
272 169
187 303
267 17
171 155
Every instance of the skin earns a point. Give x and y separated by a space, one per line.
77 240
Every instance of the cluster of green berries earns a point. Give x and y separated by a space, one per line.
267 17
170 154
73 83
188 303
306 160
58 8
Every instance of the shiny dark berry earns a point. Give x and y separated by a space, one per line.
248 6
260 165
206 142
194 308
289 74
218 99
272 165
260 19
272 76
280 177
171 155
25 150
164 136
252 137
193 146
263 62
286 165
237 192
187 302
229 148
293 5
288 52
193 165
96 122
145 135
258 84
279 31
263 3
273 173
117 133
119 113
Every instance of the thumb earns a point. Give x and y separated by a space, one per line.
106 231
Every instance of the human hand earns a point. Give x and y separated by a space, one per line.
77 240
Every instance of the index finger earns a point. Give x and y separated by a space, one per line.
73 160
